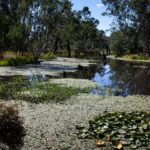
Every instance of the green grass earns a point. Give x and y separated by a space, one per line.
4 62
48 56
18 60
20 89
136 57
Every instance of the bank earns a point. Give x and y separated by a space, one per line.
129 59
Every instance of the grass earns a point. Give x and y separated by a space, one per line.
10 58
136 57
21 89
48 56
18 60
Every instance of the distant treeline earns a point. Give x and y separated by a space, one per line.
131 30
38 26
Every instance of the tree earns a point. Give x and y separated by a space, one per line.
124 41
135 14
36 26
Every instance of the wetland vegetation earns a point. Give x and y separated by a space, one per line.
90 100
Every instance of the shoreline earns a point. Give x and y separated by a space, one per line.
127 60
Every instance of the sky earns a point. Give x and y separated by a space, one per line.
97 8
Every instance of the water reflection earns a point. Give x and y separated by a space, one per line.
103 78
114 78
122 78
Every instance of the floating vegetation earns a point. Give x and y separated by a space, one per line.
119 129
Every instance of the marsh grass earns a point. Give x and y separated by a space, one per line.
21 89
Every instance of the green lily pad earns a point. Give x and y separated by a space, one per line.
131 129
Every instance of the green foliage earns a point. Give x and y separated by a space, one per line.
18 60
53 25
136 57
11 127
117 43
36 91
132 14
4 63
48 56
128 129
123 41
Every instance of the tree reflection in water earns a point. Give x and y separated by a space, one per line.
123 78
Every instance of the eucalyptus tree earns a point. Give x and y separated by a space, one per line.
132 13
36 26
124 41
68 30
46 22
13 25
87 32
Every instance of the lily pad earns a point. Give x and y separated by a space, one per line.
128 129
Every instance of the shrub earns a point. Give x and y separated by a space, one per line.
19 60
48 56
12 131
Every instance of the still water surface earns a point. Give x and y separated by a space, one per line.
117 78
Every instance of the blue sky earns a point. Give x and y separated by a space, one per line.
96 8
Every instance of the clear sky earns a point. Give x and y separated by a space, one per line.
97 8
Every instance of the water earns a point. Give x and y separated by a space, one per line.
117 78
122 79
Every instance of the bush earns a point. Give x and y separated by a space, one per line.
48 56
19 60
12 131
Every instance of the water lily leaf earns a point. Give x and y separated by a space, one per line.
144 126
134 146
129 129
122 131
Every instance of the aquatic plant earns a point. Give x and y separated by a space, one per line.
37 91
120 129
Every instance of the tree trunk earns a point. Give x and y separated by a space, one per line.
56 45
1 55
68 49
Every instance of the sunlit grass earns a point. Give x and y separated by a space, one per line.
19 60
136 57
36 92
